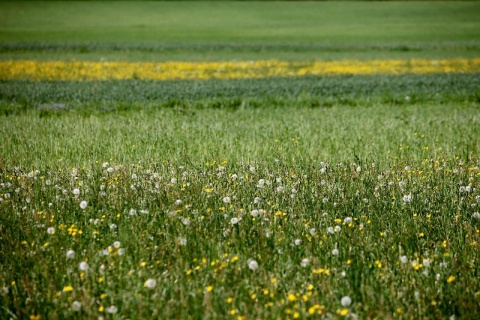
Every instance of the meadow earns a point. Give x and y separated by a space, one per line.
239 160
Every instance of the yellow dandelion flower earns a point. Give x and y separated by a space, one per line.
67 288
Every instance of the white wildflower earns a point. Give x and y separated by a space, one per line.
83 266
76 306
182 241
346 301
252 264
305 262
426 263
70 254
111 310
150 284
407 198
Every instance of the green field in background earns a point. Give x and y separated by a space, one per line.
238 30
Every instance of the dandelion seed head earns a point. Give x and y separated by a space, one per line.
150 284
304 263
182 241
252 264
51 230
70 254
76 306
111 310
346 301
83 204
83 266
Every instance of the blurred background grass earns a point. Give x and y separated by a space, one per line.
238 30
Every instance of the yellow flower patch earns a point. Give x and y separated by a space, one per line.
88 70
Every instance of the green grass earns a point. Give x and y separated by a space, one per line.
345 166
316 92
254 30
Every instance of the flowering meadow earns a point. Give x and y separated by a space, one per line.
249 160
356 212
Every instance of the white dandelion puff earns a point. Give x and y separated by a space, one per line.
150 284
111 310
304 262
234 221
83 266
83 204
70 254
182 241
252 264
346 301
226 200
403 259
51 230
407 198
76 306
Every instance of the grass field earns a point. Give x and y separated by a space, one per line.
159 31
291 195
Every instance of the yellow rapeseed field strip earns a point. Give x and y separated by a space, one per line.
83 70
